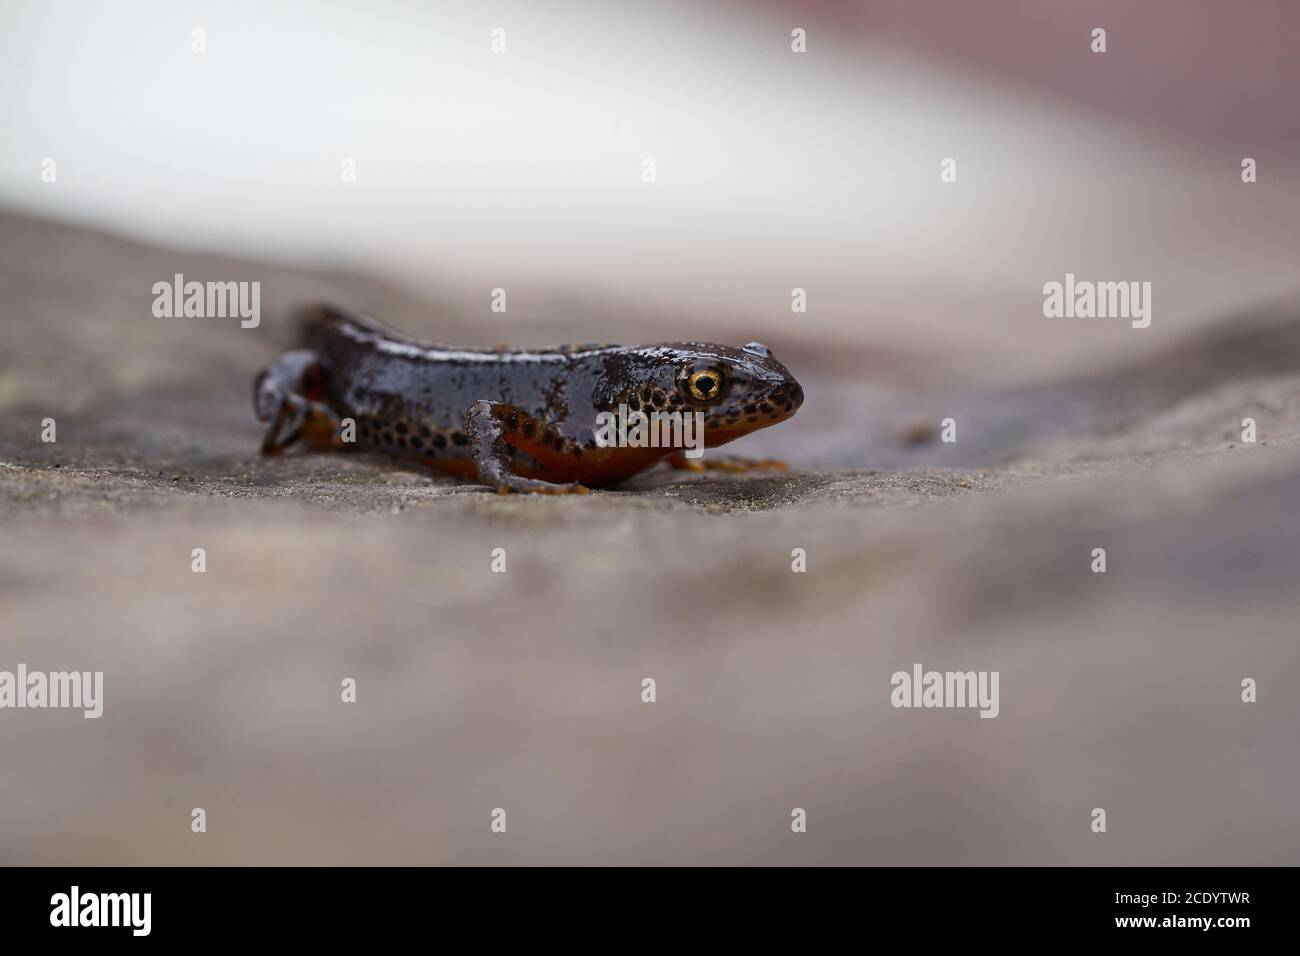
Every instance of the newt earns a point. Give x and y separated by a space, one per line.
522 420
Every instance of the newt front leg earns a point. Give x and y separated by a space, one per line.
493 429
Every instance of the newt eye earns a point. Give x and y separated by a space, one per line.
703 385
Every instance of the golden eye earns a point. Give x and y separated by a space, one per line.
704 385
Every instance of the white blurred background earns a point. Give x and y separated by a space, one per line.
523 169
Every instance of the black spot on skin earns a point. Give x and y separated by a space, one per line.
386 438
401 442
766 408
512 421
439 441
645 394
424 431
529 428
751 409
400 428
751 419
633 404
458 438
733 418
417 442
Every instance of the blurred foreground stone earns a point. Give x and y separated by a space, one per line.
523 690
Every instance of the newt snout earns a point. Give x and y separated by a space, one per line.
762 392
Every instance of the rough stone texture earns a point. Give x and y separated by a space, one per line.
522 690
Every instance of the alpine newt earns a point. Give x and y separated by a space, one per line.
516 420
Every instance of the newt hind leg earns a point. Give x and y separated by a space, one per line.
494 429
289 394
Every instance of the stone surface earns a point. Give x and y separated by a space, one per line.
523 690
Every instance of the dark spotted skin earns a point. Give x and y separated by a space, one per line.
518 420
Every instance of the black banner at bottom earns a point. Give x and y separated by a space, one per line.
370 904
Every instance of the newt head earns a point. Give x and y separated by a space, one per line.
738 390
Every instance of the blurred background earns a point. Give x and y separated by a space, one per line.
523 170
